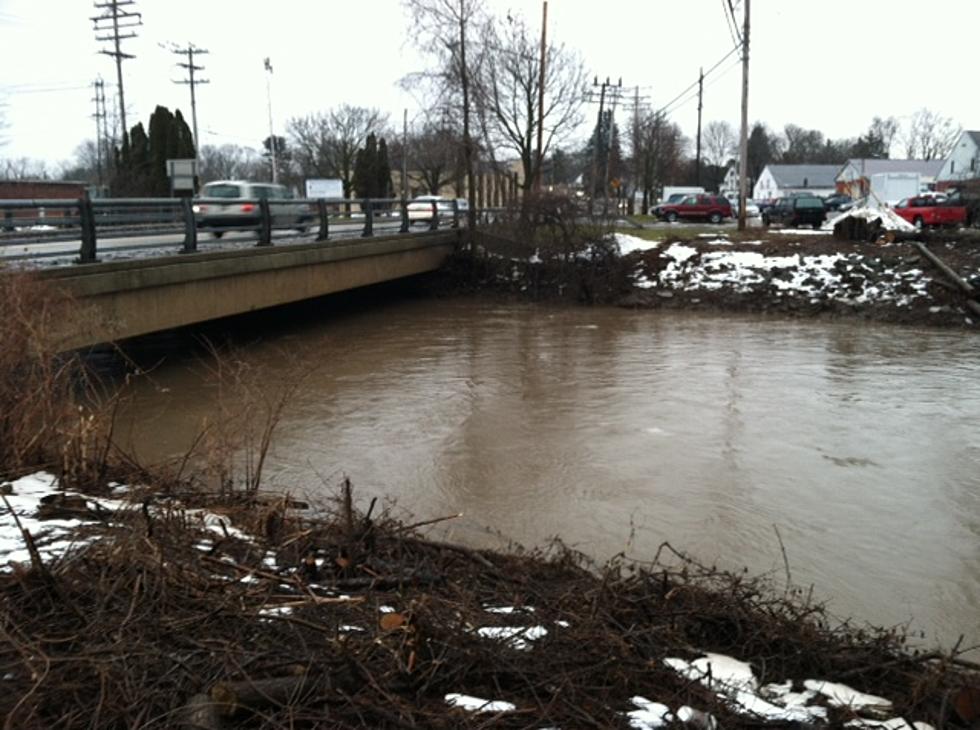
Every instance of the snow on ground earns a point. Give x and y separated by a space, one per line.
890 220
475 704
735 683
516 637
816 277
629 244
54 537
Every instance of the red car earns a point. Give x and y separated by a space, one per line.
926 210
713 208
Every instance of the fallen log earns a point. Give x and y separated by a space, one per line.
230 697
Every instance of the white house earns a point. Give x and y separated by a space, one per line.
854 178
729 186
963 162
778 181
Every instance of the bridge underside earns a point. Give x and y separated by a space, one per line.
113 301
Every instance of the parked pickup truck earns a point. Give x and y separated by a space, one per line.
926 210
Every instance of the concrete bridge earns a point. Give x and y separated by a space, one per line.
123 299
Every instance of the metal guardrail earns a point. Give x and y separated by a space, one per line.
26 221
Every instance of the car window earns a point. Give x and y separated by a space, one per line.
221 190
722 200
784 203
809 203
903 203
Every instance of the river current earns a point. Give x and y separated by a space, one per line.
617 430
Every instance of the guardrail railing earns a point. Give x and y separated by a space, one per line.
33 223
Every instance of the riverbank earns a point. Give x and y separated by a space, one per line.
801 273
139 607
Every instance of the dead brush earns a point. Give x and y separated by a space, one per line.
37 383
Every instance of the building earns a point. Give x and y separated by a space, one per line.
729 186
42 190
854 178
779 181
963 161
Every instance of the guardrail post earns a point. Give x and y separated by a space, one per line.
190 226
405 221
265 223
368 218
321 208
455 213
8 217
434 223
86 221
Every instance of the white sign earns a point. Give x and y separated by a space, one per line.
182 173
324 188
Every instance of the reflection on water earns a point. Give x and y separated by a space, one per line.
862 444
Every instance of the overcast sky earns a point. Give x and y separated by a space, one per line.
830 65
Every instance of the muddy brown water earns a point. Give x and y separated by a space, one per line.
618 430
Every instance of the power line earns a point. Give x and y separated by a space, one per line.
666 107
114 21
190 51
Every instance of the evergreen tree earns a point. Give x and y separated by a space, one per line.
365 177
383 171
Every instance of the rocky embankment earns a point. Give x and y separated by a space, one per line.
805 273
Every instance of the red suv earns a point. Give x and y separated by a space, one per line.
713 208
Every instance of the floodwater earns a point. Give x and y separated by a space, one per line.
618 430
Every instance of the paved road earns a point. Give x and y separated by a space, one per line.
61 253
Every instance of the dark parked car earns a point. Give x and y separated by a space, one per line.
713 208
838 202
796 211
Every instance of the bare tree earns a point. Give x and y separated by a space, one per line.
436 154
885 130
929 136
229 162
720 143
509 91
445 30
23 168
325 144
84 166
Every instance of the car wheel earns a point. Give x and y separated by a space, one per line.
714 218
765 221
918 222
217 234
671 217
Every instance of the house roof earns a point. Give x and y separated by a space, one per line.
974 135
869 167
804 176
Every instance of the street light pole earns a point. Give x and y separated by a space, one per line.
272 135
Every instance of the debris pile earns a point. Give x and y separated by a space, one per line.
262 612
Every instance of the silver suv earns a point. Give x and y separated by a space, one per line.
233 204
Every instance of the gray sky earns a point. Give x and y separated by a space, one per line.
830 65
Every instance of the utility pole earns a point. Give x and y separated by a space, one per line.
272 135
598 141
612 122
743 163
636 149
405 154
114 21
99 117
697 173
541 77
190 52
